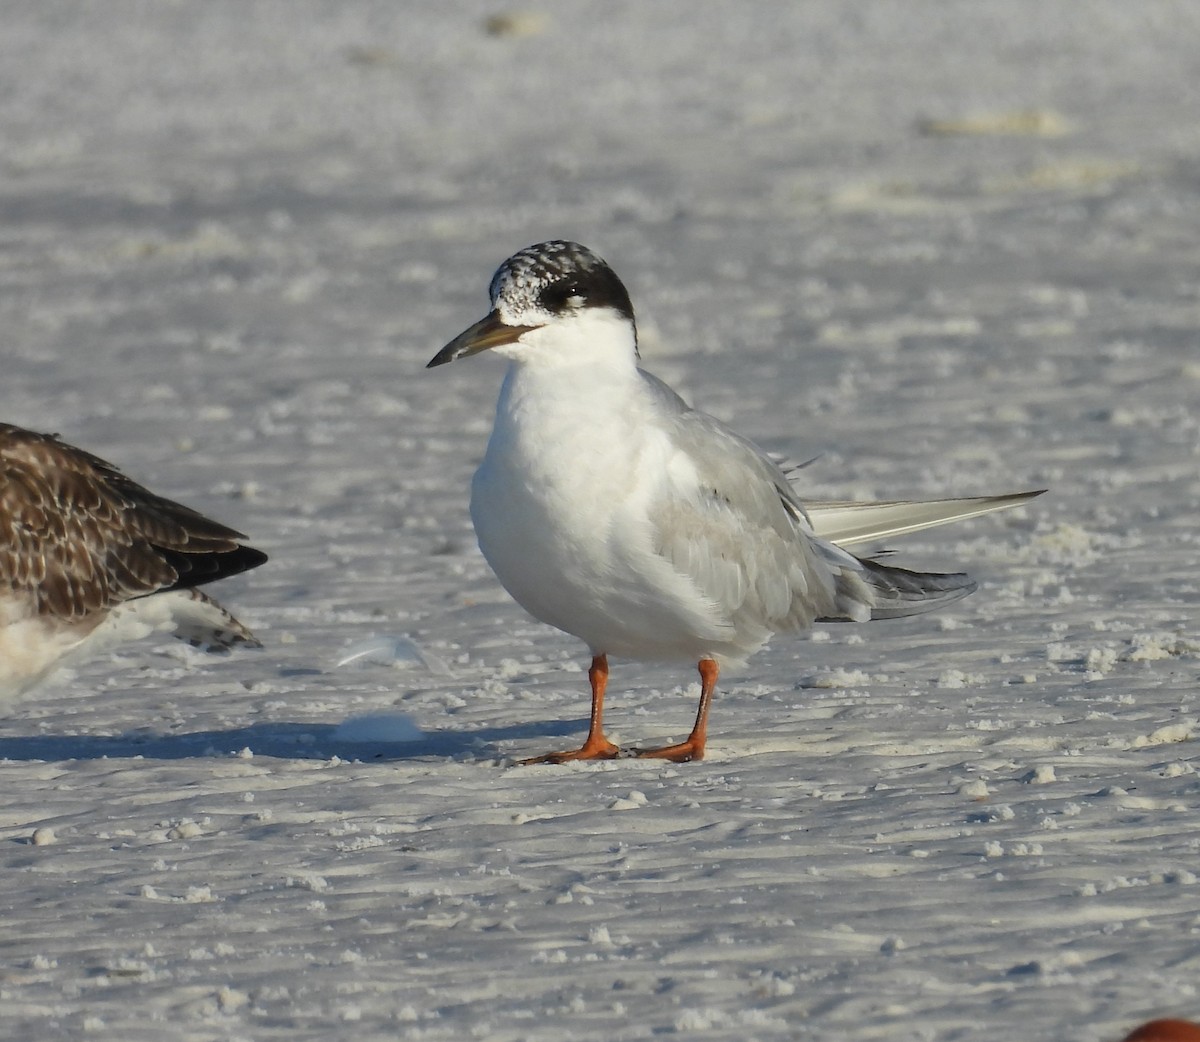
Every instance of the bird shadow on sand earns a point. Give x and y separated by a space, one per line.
289 741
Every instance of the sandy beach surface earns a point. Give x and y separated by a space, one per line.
938 248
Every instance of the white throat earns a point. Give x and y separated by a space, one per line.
595 337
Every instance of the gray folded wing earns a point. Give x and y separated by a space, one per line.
728 519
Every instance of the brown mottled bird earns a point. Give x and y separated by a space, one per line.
89 558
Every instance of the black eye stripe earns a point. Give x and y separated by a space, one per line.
598 288
556 296
550 274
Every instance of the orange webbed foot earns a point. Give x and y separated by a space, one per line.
600 749
681 752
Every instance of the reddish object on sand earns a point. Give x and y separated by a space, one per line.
1165 1031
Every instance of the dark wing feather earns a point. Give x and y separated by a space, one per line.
77 536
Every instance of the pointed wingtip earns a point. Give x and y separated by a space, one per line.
847 523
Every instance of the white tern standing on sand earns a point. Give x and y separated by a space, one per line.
611 509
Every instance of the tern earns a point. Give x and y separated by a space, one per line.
89 558
611 509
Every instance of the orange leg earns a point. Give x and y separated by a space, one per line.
595 746
693 747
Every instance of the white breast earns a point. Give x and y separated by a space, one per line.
560 507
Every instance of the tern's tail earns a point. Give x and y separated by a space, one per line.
887 592
900 592
880 591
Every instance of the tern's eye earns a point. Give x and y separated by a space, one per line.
562 296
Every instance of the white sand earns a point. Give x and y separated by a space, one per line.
231 235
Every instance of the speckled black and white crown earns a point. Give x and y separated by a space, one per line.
553 277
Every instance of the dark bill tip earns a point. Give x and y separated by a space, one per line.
488 332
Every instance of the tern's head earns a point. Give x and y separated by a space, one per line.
556 295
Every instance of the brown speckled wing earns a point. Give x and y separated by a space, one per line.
77 536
